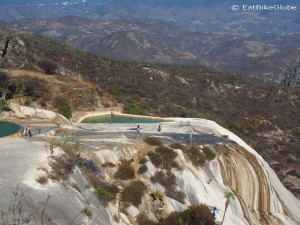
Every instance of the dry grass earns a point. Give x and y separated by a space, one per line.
108 164
168 180
62 166
195 154
152 141
125 171
194 215
142 169
133 193
164 157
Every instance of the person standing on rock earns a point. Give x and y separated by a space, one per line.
159 128
138 129
29 131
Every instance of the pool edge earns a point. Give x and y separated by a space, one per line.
123 114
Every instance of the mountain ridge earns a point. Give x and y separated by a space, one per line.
195 15
235 53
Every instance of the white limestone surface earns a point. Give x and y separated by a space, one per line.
244 167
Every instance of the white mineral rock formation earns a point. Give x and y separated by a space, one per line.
32 112
261 198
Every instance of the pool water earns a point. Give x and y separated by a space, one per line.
119 119
7 128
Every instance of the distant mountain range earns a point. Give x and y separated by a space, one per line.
262 44
51 2
197 15
269 57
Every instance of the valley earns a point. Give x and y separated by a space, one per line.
268 57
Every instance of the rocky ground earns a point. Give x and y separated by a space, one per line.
27 160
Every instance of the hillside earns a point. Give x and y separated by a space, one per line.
264 67
265 117
293 77
137 47
267 56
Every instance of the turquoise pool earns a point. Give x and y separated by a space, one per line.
119 119
7 128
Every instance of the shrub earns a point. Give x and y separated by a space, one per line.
125 171
143 219
59 101
157 194
155 159
71 145
152 141
4 104
93 179
90 165
108 164
293 173
87 211
4 79
195 214
177 146
143 161
48 66
135 110
43 179
198 214
4 92
106 193
76 187
209 154
164 157
62 166
164 179
195 155
27 102
143 169
133 193
102 193
66 111
32 87
168 181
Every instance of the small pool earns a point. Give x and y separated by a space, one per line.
8 128
120 119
